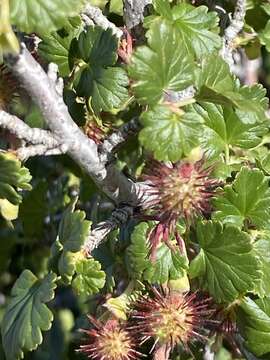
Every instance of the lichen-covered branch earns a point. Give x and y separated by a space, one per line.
231 32
45 92
24 132
133 12
93 15
25 152
99 233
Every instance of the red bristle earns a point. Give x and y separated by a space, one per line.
109 341
172 319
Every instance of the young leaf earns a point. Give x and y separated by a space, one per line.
161 66
247 198
72 233
254 323
168 265
98 79
42 16
226 263
89 277
169 135
54 47
138 251
13 176
27 315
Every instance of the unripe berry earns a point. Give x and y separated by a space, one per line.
109 341
171 319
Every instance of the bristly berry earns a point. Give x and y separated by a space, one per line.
109 341
172 319
180 190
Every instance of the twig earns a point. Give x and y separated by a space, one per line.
24 132
117 138
95 16
45 92
99 233
25 152
133 12
231 32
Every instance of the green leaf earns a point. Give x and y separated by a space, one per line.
226 263
138 251
43 16
8 210
168 265
27 315
262 248
13 176
215 80
216 85
254 323
197 28
161 66
55 46
224 128
264 36
247 198
73 228
169 135
89 277
72 233
251 103
95 52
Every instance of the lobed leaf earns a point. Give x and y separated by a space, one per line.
226 263
161 66
254 323
13 177
168 134
27 315
99 80
89 277
42 16
54 47
197 28
224 128
246 199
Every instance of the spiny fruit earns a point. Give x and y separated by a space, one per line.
109 341
179 190
171 319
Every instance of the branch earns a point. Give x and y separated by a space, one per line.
45 92
24 132
25 152
99 233
133 12
117 138
231 32
95 16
